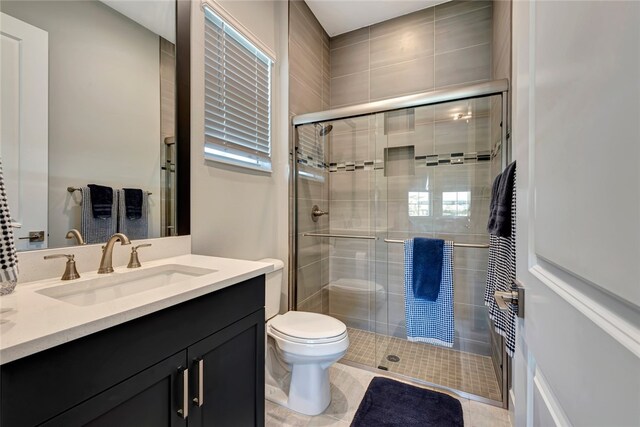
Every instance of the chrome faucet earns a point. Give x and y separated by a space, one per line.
106 263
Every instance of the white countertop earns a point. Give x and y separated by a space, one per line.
31 322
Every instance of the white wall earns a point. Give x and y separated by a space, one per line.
236 212
104 105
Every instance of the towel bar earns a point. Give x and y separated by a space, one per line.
458 245
340 236
72 189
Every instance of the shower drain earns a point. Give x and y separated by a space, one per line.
393 358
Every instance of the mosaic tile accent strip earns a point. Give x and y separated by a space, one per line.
358 165
310 161
455 369
430 160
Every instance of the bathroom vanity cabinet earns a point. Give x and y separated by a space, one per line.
198 363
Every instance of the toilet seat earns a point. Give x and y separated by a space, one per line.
307 328
282 335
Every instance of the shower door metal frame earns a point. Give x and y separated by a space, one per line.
473 91
477 90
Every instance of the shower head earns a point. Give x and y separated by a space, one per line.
323 130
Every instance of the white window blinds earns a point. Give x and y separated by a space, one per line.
237 98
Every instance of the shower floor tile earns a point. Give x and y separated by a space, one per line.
458 370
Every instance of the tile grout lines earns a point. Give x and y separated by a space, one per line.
450 368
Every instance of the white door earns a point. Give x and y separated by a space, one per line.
24 126
576 138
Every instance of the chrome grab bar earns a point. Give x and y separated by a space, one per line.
340 236
457 245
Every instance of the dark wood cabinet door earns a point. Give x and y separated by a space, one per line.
151 398
232 376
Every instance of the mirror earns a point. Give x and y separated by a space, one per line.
88 97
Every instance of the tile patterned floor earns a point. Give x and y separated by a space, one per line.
458 370
348 385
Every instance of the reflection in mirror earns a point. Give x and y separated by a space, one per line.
88 97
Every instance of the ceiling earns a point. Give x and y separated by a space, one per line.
342 16
158 16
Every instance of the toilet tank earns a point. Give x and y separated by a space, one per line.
273 287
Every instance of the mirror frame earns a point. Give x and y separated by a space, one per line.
183 117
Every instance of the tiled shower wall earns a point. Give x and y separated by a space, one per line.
447 45
364 201
309 92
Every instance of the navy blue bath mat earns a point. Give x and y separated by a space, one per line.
392 403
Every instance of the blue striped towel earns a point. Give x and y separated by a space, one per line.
97 230
134 228
430 321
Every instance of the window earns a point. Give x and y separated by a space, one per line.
237 97
419 203
456 203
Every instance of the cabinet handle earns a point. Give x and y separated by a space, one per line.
184 412
200 399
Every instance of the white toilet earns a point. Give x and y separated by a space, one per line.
301 347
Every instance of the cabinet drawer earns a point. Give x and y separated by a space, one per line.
41 386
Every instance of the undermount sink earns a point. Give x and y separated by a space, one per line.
120 285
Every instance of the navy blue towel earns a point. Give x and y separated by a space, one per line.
427 267
133 202
101 201
500 207
493 204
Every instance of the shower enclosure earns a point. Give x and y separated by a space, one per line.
366 177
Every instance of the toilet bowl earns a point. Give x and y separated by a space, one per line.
301 347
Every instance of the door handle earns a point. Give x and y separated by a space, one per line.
199 399
184 411
34 236
504 298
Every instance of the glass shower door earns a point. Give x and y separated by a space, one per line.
336 251
363 186
312 193
436 183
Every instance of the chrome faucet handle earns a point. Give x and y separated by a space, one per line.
70 271
134 261
316 212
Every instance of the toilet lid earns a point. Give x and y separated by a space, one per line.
308 326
